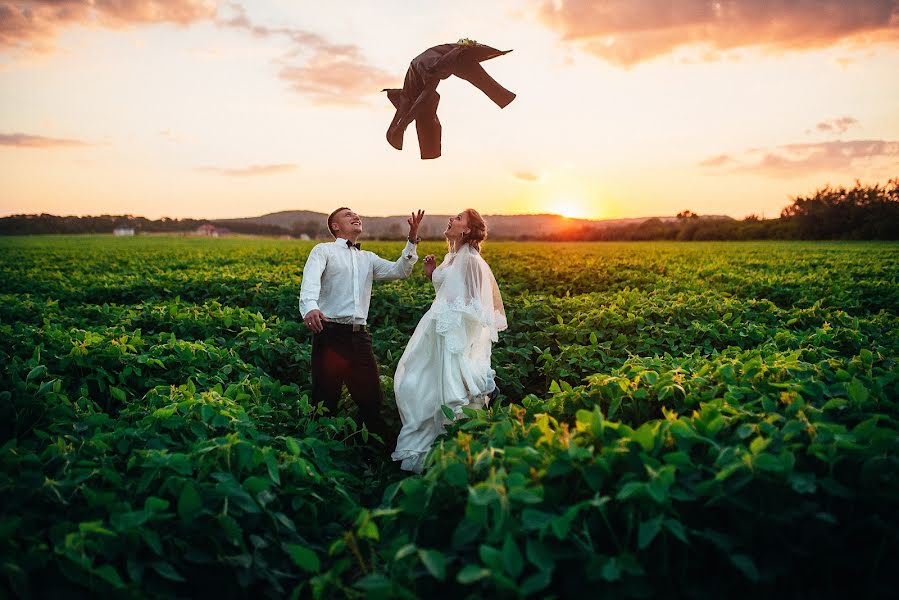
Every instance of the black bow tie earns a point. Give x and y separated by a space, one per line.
350 244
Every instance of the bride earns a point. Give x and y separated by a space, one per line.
447 360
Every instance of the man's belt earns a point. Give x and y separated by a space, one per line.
354 327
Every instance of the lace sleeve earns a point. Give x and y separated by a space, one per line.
468 306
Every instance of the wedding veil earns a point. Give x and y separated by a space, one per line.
468 307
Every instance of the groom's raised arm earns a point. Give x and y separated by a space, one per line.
398 269
402 267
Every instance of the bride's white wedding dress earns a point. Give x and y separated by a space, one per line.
447 359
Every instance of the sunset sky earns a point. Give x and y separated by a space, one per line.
625 108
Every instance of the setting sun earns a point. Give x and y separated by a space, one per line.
570 209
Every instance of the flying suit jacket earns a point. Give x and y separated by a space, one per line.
417 100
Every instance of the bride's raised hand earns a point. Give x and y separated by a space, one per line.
429 265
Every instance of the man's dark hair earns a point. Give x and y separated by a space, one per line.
331 218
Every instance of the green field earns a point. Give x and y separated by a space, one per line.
695 420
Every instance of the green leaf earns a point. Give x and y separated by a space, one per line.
124 521
155 504
167 570
539 555
803 483
611 570
108 574
95 527
292 446
456 475
374 582
768 462
746 566
512 560
593 338
745 430
303 557
271 462
535 583
189 502
648 531
117 393
630 490
758 444
434 562
35 372
677 529
614 405
834 403
857 392
404 551
447 411
490 556
471 573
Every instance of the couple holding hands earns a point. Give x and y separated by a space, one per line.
447 359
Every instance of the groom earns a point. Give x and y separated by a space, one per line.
334 298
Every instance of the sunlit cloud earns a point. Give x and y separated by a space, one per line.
329 73
716 161
840 125
23 140
250 171
526 176
327 79
35 24
324 71
627 32
797 160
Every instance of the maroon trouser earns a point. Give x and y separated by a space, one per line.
343 356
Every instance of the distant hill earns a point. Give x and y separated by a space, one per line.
314 224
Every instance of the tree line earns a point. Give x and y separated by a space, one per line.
45 223
863 212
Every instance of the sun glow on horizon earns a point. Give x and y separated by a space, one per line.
571 209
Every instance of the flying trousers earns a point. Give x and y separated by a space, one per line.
418 99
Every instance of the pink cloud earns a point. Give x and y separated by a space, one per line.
34 24
627 32
22 140
251 171
796 160
324 71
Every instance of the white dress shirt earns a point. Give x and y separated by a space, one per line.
337 279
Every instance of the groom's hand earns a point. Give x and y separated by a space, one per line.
414 221
314 320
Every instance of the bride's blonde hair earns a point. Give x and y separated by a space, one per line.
477 230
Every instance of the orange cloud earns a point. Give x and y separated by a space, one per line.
836 125
716 161
335 74
329 79
250 171
34 24
526 176
796 160
23 140
627 32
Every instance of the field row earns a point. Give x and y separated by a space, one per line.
717 419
